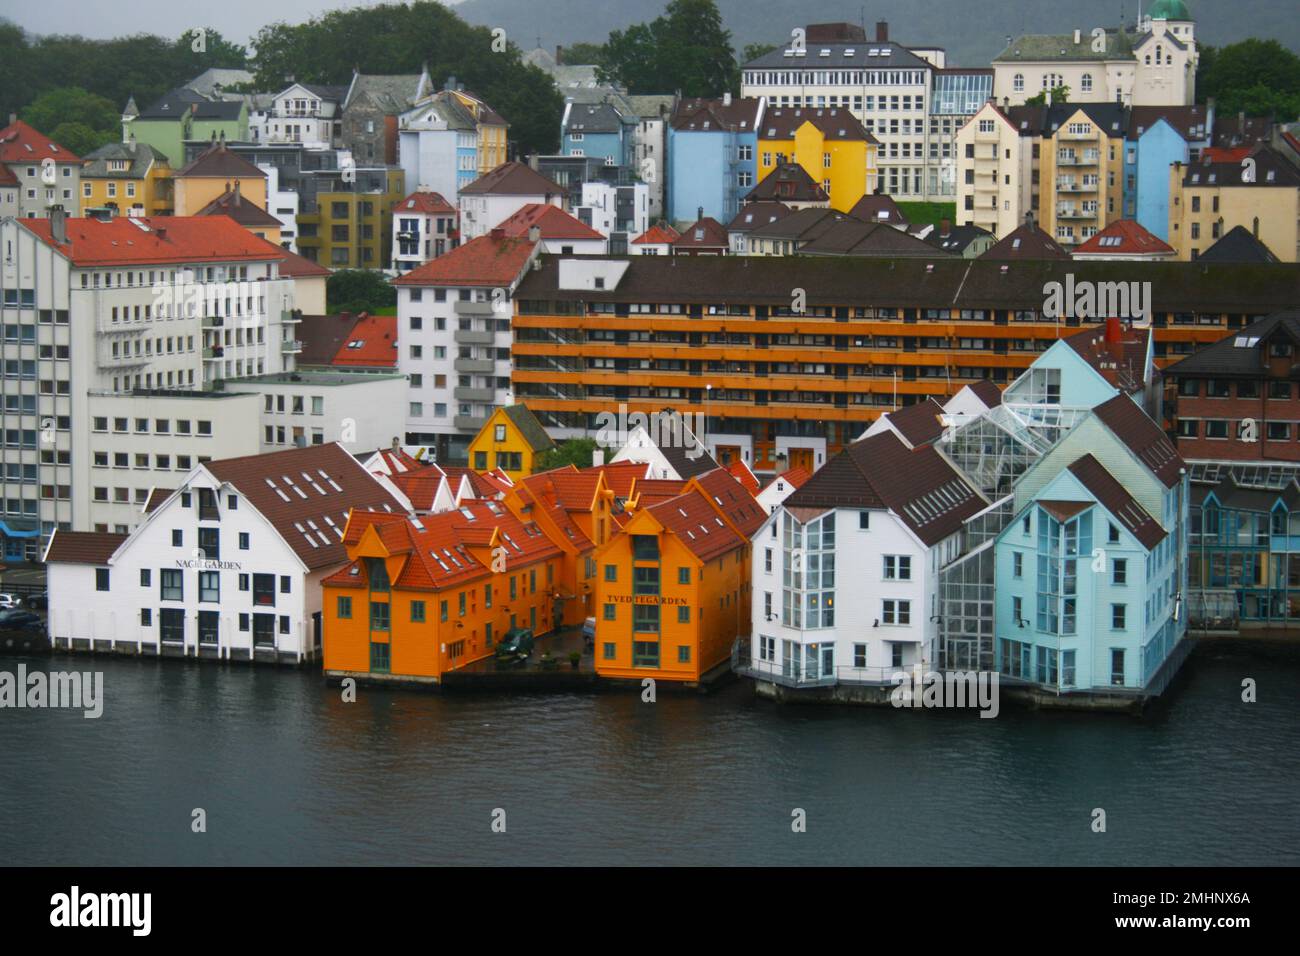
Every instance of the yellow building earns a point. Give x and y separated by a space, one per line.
212 174
249 215
1081 171
351 226
1260 193
131 179
491 128
831 146
672 591
511 439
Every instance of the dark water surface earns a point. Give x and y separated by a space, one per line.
290 774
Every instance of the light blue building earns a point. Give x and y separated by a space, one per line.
1159 136
712 157
598 130
1091 571
1086 369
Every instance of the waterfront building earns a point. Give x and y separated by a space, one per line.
712 157
421 596
132 179
496 196
1148 63
455 339
509 441
1105 548
675 453
228 566
1260 192
424 227
673 587
36 173
830 145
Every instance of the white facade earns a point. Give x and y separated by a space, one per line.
651 152
358 410
297 115
480 213
773 493
283 205
420 236
430 152
600 200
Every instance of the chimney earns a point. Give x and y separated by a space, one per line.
597 457
882 31
1077 35
1114 331
534 234
58 224
161 233
13 118
726 98
945 226
497 233
236 192
559 54
1029 220
699 213
397 444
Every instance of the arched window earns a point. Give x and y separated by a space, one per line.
1018 83
1086 83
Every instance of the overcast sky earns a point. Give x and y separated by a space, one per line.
237 20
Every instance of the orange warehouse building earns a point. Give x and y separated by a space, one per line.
420 596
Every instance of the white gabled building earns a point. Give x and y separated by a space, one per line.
226 567
846 570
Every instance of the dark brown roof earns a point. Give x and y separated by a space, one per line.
244 211
298 489
529 427
1116 499
1271 169
1187 121
987 392
918 485
323 335
878 208
1132 426
1238 244
82 547
512 179
707 233
696 115
218 162
1242 353
789 182
1122 362
834 123
679 457
920 423
1026 241
155 499
755 214
802 225
853 237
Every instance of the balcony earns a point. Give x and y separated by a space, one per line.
468 423
464 394
213 322
291 316
475 366
214 352
1067 212
291 347
473 337
1076 187
473 308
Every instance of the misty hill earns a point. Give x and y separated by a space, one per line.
972 31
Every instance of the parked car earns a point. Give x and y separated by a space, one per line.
589 630
517 642
22 631
8 600
37 602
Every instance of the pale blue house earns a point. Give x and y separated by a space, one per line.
712 157
1091 571
1089 368
1157 137
599 130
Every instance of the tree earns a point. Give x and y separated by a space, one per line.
1257 77
575 451
1059 94
75 119
358 290
754 50
685 49
584 53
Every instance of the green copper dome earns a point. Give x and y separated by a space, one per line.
1169 10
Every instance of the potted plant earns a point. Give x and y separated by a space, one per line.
575 657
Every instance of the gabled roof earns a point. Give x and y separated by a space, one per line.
1238 130
794 477
218 162
733 499
323 335
706 233
512 179
82 547
1026 241
529 427
802 225
745 475
918 485
853 237
144 240
688 462
370 343
140 156
986 392
920 423
958 238
738 115
1125 237
1271 170
652 491
878 208
1116 499
299 267
834 123
658 234
691 518
20 143
1240 353
430 203
1143 437
593 118
306 494
553 222
491 260
1051 47
1189 122
789 182
244 211
620 476
182 101
1238 244
1116 351
392 93
755 214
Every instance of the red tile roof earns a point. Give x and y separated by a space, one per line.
659 233
731 498
650 491
297 267
512 179
690 517
306 494
745 475
20 143
425 202
218 162
371 343
1124 237
484 261
620 476
421 485
553 222
82 547
795 477
161 240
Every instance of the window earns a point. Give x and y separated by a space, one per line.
859 655
864 520
684 615
1118 614
1017 564
1119 571
379 615
101 579
896 613
145 575
611 572
344 609
1117 665
178 538
210 586
379 658
897 568
264 589
609 612
243 541
417 612
171 584
684 575
609 651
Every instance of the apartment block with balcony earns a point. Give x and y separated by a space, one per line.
995 159
306 113
348 222
1081 170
